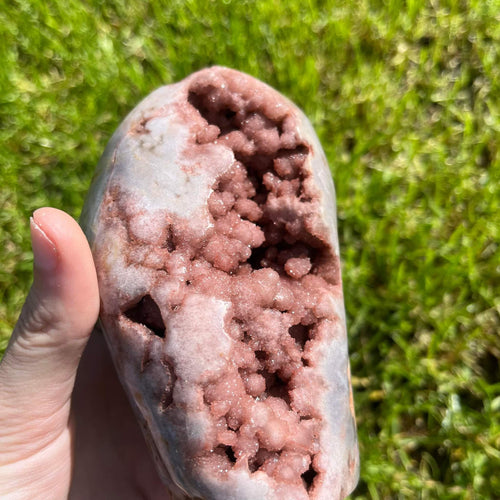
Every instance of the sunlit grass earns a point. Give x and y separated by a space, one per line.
405 98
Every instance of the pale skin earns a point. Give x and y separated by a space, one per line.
66 428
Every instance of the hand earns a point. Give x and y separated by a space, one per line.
58 439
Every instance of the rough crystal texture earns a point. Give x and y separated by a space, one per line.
213 227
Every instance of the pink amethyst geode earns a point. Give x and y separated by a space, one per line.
213 226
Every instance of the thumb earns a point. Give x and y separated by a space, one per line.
39 366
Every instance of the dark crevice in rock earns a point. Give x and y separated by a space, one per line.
308 477
228 114
146 312
261 355
230 454
300 333
169 240
212 111
256 258
257 461
275 386
226 451
258 164
168 393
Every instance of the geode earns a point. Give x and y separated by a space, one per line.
212 222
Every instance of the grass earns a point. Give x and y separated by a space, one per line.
405 98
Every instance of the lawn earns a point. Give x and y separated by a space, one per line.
405 97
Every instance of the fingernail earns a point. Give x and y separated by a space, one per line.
44 251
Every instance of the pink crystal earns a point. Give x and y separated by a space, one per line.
213 227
